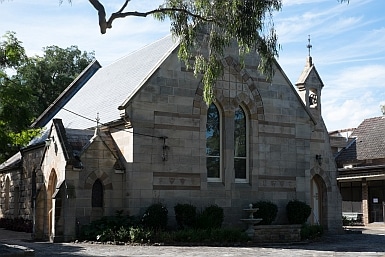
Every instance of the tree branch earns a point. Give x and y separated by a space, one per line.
102 15
104 24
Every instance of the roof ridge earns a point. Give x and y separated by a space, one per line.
139 49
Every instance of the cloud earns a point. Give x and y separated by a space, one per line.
77 24
352 95
318 18
349 113
300 2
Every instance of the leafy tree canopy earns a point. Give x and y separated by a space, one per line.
28 85
12 54
249 22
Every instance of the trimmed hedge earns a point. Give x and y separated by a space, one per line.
297 212
267 211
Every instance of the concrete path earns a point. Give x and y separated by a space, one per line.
370 243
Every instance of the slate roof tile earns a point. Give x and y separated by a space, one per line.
370 138
110 86
369 143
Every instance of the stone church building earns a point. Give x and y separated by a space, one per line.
138 132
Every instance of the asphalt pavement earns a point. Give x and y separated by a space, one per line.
361 241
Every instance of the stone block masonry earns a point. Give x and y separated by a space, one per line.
277 233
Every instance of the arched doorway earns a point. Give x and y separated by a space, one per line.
51 204
318 201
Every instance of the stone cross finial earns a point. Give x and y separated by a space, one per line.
97 120
309 46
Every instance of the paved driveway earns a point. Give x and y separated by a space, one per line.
370 243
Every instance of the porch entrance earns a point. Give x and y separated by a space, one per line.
376 201
319 201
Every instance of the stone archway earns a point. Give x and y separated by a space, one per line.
319 201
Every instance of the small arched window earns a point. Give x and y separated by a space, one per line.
213 144
7 192
240 146
97 194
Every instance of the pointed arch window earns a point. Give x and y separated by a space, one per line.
240 146
213 144
7 192
97 194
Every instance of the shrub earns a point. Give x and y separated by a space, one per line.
155 217
311 231
210 218
228 235
297 212
346 221
140 235
185 215
207 236
106 228
122 234
267 211
16 224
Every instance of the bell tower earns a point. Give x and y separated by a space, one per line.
310 85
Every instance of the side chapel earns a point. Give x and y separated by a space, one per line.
138 131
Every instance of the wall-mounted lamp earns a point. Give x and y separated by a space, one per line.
319 159
49 140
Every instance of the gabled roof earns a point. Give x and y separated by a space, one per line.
369 143
370 136
75 141
12 163
308 69
348 154
69 154
112 85
66 95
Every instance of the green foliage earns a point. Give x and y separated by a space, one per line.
24 136
50 74
346 221
297 212
120 228
228 235
185 215
16 224
12 53
267 211
108 228
206 28
211 218
155 217
203 236
140 235
248 22
311 231
33 85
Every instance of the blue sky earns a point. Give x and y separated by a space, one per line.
348 43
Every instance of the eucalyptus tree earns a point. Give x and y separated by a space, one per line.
248 22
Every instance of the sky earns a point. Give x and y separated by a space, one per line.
347 41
